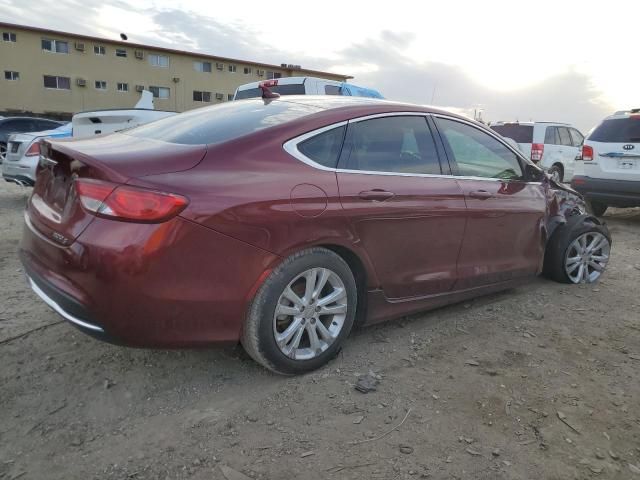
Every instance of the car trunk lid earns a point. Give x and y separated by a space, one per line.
54 209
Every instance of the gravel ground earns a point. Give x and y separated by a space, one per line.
536 382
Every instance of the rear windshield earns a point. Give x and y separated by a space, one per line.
221 123
519 133
290 89
617 130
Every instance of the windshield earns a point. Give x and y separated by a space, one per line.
617 130
221 123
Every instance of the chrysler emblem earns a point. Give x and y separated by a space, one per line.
628 146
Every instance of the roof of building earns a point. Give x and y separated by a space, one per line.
168 50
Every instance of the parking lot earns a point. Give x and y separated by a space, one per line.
538 382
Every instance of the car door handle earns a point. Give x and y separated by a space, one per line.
376 194
480 194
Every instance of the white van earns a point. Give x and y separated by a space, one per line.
304 86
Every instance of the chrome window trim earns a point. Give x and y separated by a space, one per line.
67 316
291 147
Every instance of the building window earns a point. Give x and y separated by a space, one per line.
121 52
202 67
159 60
58 83
9 75
55 46
201 96
101 85
160 92
99 50
230 96
123 87
271 75
8 37
232 68
247 70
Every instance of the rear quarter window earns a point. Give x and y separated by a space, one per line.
325 147
221 123
617 130
519 133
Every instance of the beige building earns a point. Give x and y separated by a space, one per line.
55 73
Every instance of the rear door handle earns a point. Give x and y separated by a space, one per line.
376 194
480 194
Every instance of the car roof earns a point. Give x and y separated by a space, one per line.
330 102
624 113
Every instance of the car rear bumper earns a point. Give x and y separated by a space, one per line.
616 193
176 284
18 172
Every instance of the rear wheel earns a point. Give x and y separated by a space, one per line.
3 152
556 173
597 208
302 313
578 252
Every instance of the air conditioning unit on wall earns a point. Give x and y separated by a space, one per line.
139 54
139 88
219 96
260 73
81 82
220 66
79 46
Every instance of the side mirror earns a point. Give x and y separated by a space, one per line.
533 173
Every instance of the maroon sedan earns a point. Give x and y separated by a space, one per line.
280 223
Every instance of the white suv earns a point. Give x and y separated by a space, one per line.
609 173
553 146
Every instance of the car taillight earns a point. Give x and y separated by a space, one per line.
127 203
587 154
33 150
537 149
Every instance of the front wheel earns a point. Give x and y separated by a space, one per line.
578 252
302 313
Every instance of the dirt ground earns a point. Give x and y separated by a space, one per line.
537 382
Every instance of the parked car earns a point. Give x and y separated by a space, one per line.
100 122
304 86
280 224
553 146
9 125
23 152
608 173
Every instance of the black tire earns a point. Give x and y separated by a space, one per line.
597 208
556 169
3 151
258 334
556 251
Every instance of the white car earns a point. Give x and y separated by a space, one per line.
100 122
304 86
609 171
551 145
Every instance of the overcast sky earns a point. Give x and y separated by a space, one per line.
572 61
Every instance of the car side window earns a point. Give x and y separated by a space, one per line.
551 136
477 153
325 147
565 138
578 138
332 90
397 144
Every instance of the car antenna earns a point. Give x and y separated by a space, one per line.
266 92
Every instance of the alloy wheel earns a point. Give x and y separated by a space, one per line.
587 257
310 313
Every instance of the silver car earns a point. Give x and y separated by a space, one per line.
23 152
